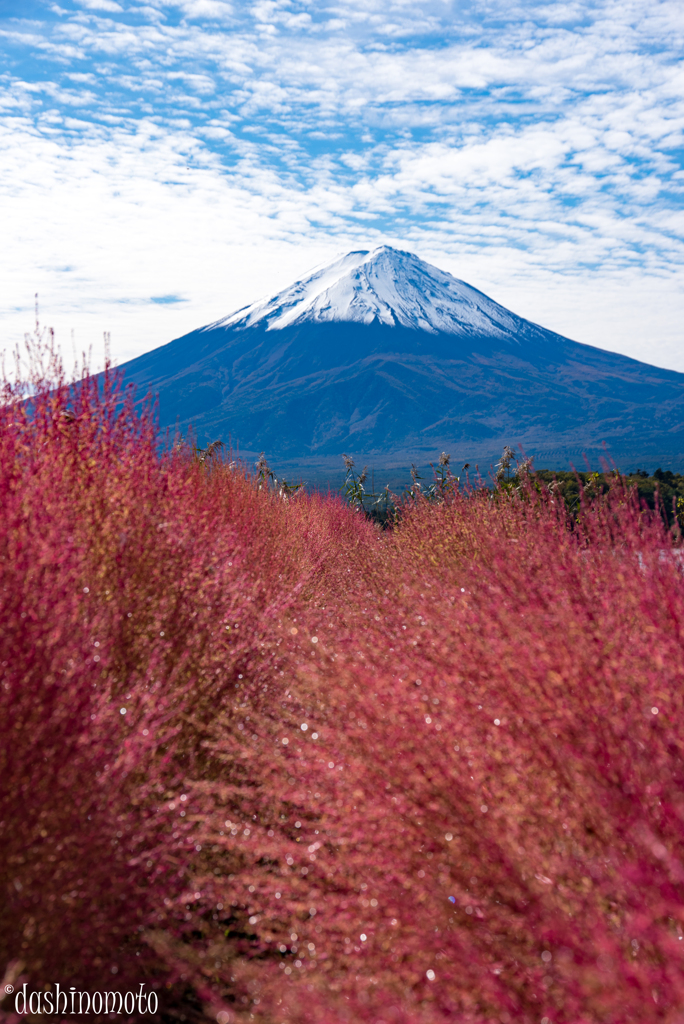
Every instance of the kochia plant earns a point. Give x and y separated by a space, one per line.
287 767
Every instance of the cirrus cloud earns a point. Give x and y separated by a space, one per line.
214 150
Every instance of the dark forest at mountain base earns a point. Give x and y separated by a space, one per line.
380 494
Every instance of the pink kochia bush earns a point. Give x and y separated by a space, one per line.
281 766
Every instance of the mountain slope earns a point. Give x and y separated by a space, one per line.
384 355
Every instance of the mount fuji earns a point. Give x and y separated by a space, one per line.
384 356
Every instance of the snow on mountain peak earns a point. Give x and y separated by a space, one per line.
383 285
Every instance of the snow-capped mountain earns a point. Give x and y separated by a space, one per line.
389 358
383 286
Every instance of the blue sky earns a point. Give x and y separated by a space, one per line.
163 162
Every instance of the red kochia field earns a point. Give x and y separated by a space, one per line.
285 767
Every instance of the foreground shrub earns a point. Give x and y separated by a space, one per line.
137 593
512 768
285 767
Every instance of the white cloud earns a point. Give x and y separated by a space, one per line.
101 5
211 9
534 149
